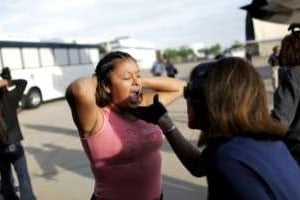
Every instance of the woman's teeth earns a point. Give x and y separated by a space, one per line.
134 96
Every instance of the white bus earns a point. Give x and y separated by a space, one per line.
48 67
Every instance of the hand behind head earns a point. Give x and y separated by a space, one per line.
5 74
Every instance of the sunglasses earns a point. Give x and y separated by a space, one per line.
189 93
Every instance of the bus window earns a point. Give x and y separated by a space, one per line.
74 56
61 57
31 58
12 58
47 57
94 55
85 56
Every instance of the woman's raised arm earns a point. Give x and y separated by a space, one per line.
169 89
85 112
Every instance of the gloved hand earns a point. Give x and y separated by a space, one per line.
150 113
156 114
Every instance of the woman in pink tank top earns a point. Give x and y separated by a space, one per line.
124 151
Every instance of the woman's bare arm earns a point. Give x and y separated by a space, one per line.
85 112
3 83
169 89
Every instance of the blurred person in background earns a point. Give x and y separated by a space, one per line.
11 150
171 69
249 55
274 63
158 67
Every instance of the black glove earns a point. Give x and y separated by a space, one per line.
150 113
156 114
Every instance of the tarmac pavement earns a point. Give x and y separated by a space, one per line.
59 169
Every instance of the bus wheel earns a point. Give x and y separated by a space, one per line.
33 98
22 102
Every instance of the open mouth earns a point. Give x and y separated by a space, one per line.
135 96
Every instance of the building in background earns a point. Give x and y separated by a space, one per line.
267 22
262 36
143 51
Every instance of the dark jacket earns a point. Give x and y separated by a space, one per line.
273 60
10 101
171 70
287 101
246 168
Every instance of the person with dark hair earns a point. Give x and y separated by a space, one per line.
171 69
11 150
244 157
273 62
287 96
158 67
219 56
249 55
124 151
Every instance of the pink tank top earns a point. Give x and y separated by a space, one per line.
125 159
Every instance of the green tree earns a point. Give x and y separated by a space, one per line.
170 54
237 45
186 54
178 55
204 51
215 49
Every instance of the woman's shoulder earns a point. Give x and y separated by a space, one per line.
240 147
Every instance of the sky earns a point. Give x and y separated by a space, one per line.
166 23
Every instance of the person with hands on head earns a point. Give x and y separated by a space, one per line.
238 135
124 151
11 149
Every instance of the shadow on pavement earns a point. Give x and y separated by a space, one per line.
175 189
52 157
53 129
